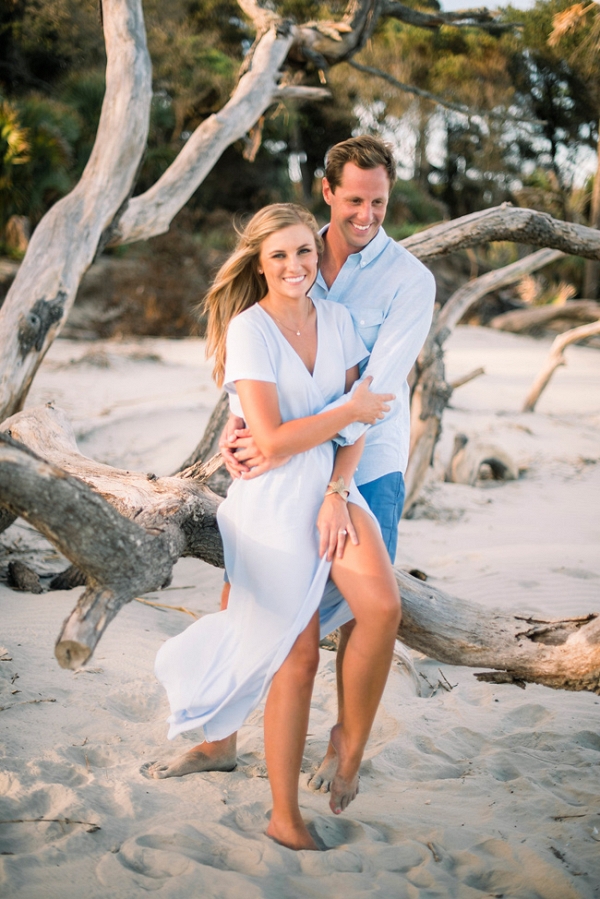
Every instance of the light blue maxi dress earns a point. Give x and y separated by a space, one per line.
219 669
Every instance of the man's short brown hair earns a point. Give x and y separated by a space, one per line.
365 151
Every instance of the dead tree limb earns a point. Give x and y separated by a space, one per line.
555 359
462 300
65 242
152 212
431 393
559 653
505 222
123 558
120 559
536 318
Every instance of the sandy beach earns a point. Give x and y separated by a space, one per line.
468 790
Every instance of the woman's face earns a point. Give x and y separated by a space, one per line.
288 259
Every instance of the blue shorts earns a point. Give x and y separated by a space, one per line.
385 499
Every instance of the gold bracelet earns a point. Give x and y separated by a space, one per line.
338 487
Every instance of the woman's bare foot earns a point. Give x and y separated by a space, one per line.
344 785
320 781
291 834
218 756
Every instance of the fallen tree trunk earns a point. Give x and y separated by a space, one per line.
123 530
555 359
560 653
126 530
536 318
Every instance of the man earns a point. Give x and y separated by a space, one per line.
390 296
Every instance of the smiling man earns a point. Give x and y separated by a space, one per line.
390 296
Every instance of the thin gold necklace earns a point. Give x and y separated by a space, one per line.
295 331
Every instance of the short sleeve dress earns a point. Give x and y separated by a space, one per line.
218 669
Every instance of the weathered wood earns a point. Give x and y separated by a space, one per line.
120 559
468 457
467 295
152 212
535 318
431 393
429 397
559 653
64 243
181 508
555 358
124 558
209 444
470 376
504 222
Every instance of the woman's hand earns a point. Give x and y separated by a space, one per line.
335 527
369 407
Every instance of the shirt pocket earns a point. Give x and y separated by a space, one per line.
368 322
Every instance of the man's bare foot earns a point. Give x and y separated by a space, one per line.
344 785
218 756
291 834
320 781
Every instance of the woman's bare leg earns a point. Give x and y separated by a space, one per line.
286 723
364 576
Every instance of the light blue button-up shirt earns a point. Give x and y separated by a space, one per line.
390 295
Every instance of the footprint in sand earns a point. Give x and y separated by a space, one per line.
160 856
527 716
140 702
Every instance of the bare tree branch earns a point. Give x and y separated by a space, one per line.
504 222
65 242
441 101
467 18
151 213
555 359
460 301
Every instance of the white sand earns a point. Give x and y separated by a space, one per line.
478 792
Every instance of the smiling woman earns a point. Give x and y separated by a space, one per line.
286 361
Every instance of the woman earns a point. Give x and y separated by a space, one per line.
283 359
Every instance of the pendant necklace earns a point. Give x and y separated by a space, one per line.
295 331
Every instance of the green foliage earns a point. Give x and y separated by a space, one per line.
43 175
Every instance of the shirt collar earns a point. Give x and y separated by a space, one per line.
372 249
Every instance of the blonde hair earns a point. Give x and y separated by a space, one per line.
238 284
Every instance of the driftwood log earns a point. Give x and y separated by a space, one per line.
536 318
556 358
125 531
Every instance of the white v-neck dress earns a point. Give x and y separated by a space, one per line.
218 669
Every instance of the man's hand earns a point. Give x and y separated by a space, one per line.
241 456
227 443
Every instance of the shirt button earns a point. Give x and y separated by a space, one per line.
362 322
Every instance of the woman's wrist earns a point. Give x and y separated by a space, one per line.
338 488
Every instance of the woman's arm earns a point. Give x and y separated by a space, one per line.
274 438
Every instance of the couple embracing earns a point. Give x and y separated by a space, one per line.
313 336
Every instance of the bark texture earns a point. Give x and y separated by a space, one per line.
536 318
505 222
66 240
560 653
127 540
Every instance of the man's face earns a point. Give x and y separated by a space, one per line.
358 204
